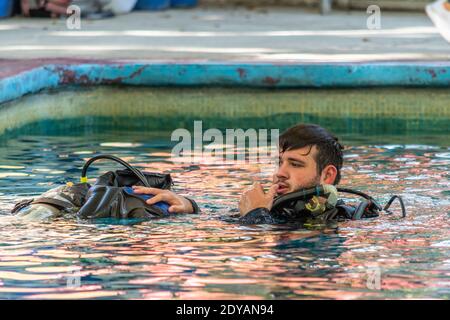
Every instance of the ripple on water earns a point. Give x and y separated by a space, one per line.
204 257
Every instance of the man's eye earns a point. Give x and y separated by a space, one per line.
296 165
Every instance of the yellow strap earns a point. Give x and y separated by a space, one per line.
315 206
83 180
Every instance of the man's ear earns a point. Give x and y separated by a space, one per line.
329 174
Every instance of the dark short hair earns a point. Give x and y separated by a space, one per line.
329 150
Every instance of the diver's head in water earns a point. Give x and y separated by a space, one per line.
309 156
310 163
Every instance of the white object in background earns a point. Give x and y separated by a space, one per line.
121 6
439 13
325 6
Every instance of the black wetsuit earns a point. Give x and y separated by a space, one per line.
340 212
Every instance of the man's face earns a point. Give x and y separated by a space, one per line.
297 170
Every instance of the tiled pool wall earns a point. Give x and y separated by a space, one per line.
401 96
383 110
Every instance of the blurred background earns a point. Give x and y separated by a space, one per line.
255 30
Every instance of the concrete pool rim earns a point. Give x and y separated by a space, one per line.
19 81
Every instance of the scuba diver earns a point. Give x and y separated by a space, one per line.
304 189
304 186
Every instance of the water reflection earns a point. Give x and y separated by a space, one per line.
208 257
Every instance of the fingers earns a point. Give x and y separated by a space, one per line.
177 209
271 195
258 186
157 198
254 187
159 194
272 191
178 204
255 197
146 190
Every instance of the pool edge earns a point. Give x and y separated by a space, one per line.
48 74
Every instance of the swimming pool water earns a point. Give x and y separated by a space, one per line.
208 257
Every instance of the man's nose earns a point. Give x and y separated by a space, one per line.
282 172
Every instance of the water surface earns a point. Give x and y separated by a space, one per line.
207 257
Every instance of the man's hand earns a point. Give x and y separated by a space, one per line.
178 204
255 197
